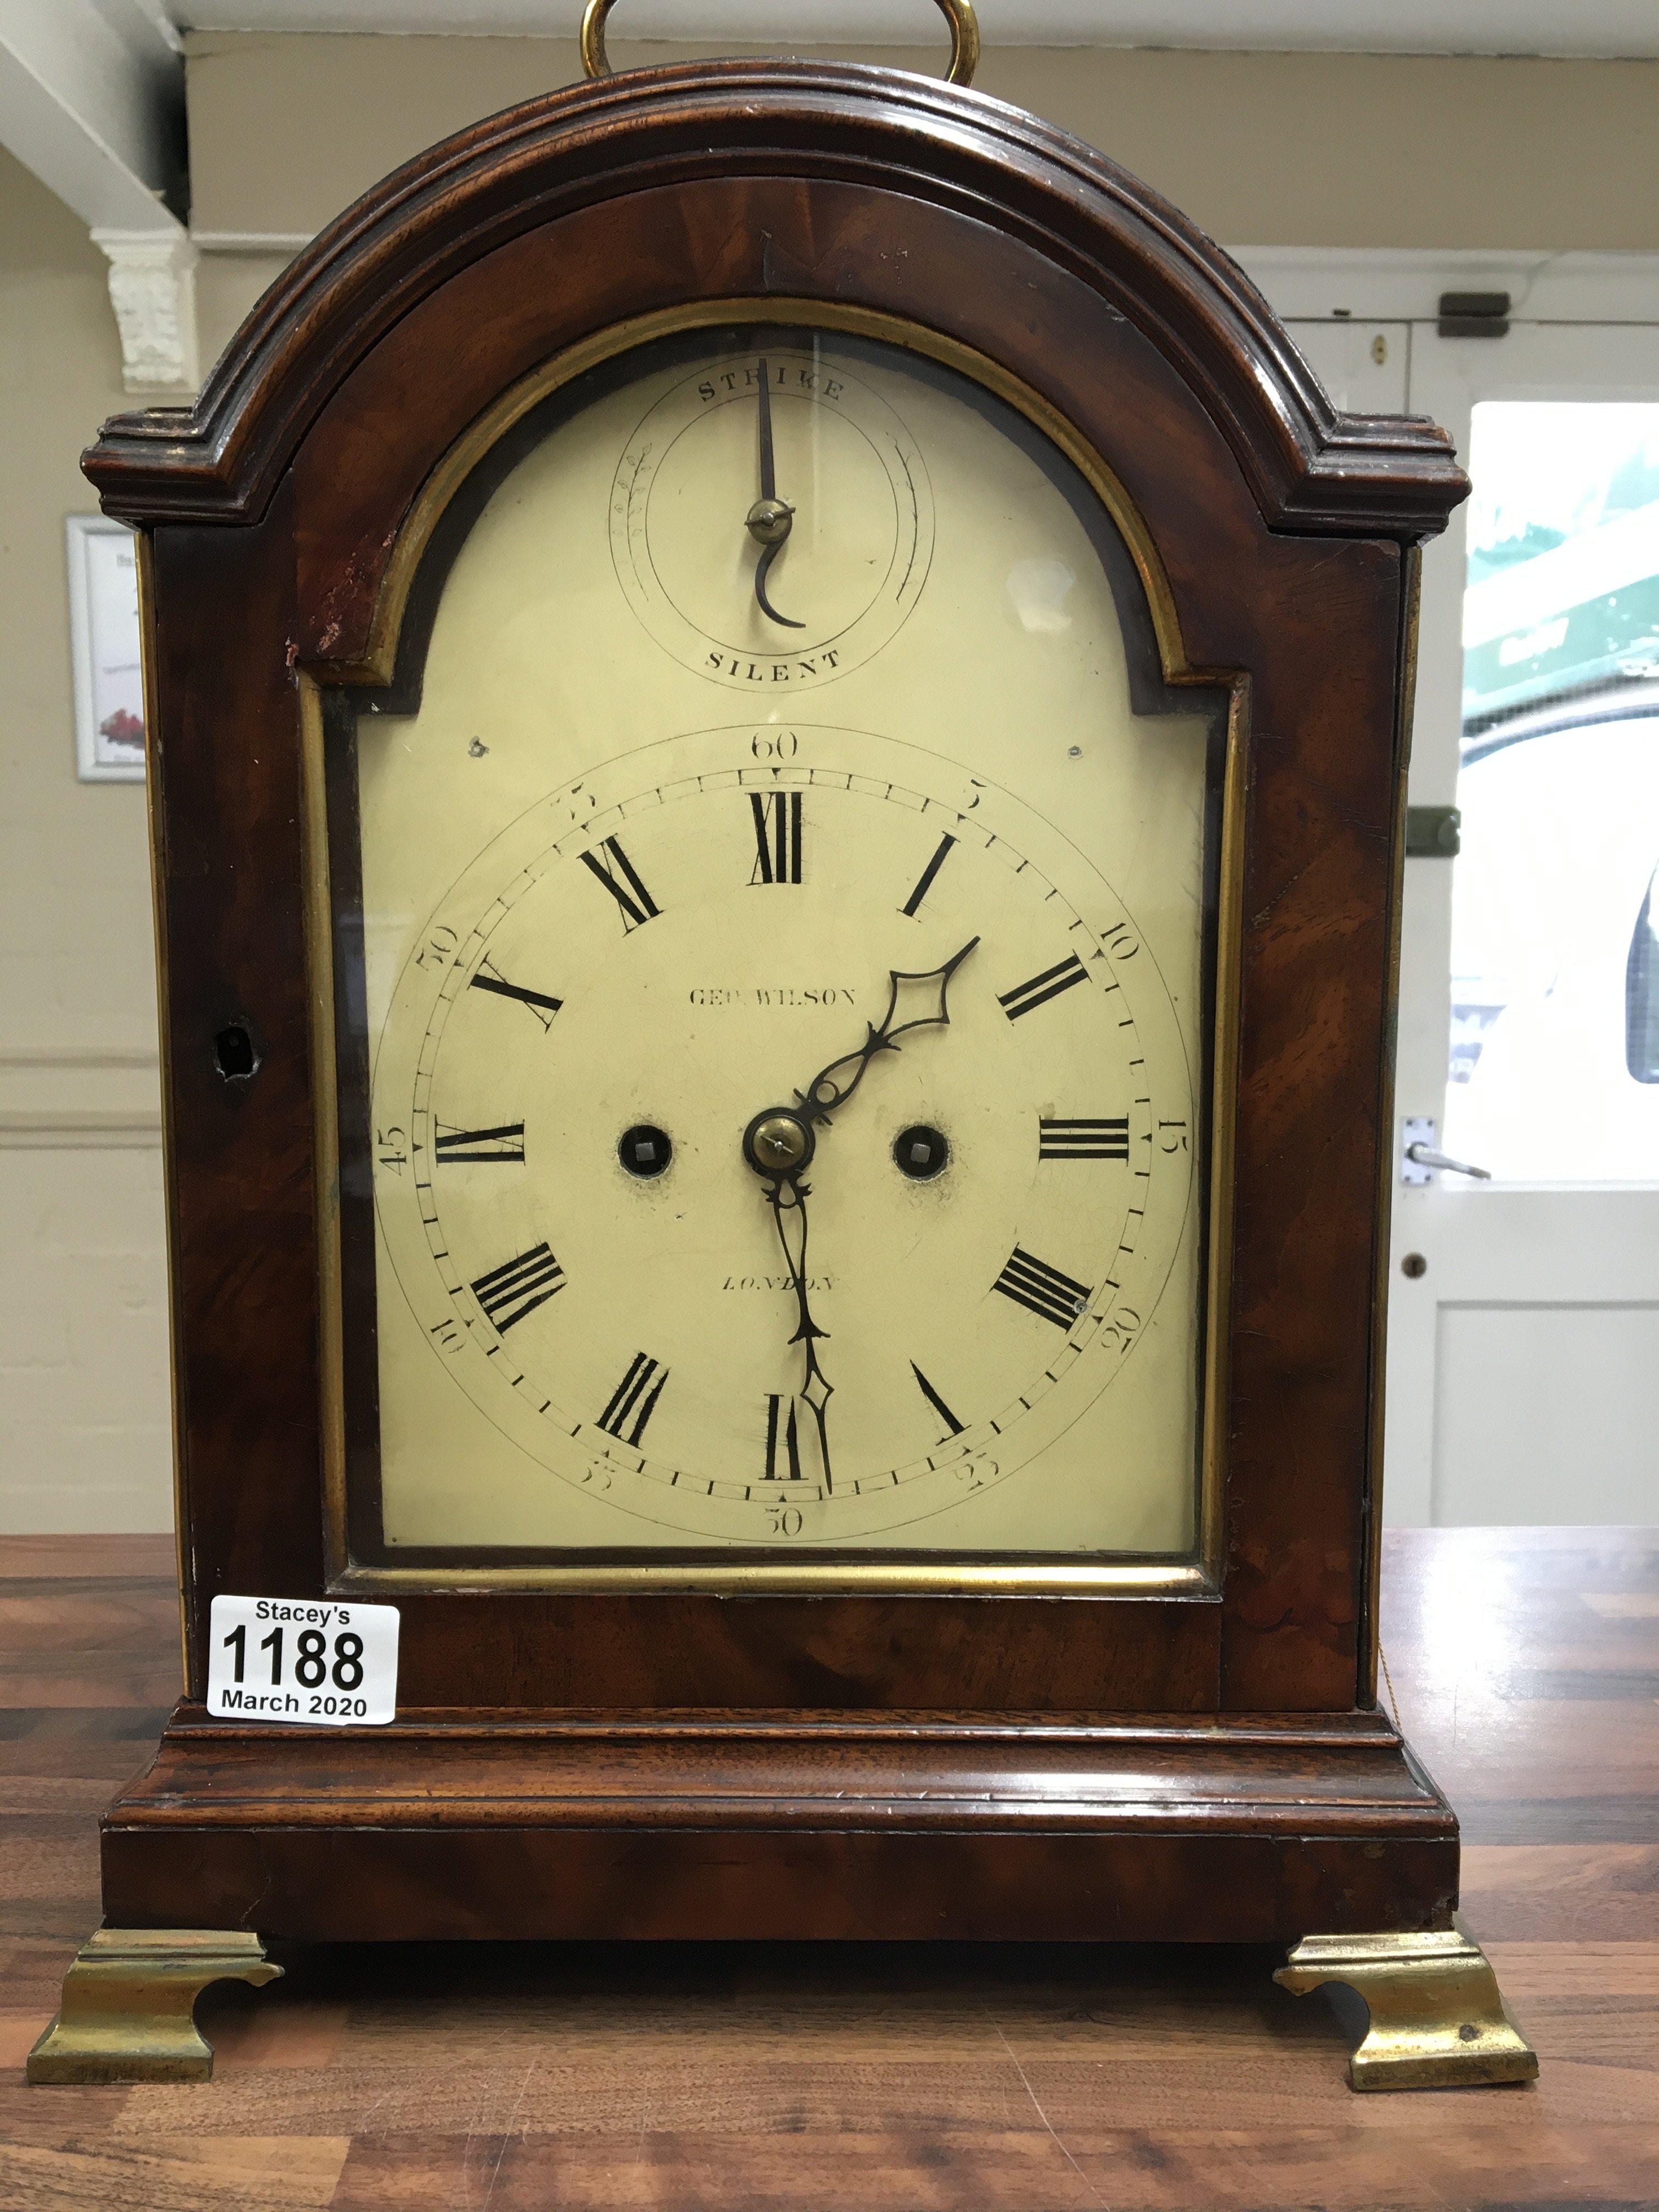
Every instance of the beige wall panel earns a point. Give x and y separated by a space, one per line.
1260 148
85 1423
83 1394
75 960
228 285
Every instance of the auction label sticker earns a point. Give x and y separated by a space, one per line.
303 1661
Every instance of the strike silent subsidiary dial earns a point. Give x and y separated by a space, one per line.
772 520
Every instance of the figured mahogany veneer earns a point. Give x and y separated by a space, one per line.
1285 532
786 1824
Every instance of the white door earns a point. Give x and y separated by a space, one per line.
1365 366
1523 1354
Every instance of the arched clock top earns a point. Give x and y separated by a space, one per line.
792 178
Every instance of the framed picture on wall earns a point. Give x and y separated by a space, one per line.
109 684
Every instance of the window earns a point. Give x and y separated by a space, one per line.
1555 975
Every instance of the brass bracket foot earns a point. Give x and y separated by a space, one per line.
1438 2021
128 1999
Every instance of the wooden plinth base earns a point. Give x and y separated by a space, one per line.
773 1825
687 1825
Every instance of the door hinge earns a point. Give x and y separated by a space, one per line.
1433 833
1474 315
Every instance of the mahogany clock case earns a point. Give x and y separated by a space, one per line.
1202 1757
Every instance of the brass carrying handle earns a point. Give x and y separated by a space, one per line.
958 14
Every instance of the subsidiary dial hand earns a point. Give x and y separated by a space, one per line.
779 1145
770 518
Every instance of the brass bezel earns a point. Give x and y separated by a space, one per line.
1198 1577
156 818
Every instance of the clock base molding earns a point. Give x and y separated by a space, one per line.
683 1826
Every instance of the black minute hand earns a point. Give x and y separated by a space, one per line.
787 1195
770 518
779 1145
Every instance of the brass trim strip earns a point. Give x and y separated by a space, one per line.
822 1577
325 1118
1199 1578
155 780
1223 1100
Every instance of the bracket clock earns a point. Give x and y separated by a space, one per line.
779 721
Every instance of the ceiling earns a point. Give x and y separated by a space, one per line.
1611 27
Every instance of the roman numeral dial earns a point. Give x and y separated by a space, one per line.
1105 1140
505 1142
782 1440
937 1403
1025 998
613 868
634 1400
1041 1289
925 881
488 977
777 817
795 1448
510 1293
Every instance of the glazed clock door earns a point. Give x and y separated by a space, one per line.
786 951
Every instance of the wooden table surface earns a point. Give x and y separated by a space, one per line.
826 2078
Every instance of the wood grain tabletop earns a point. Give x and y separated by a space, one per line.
769 2078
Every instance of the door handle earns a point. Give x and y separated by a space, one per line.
1427 1157
1420 1155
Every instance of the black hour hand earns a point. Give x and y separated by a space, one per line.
914 1001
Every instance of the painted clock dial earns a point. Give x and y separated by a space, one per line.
787 1109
